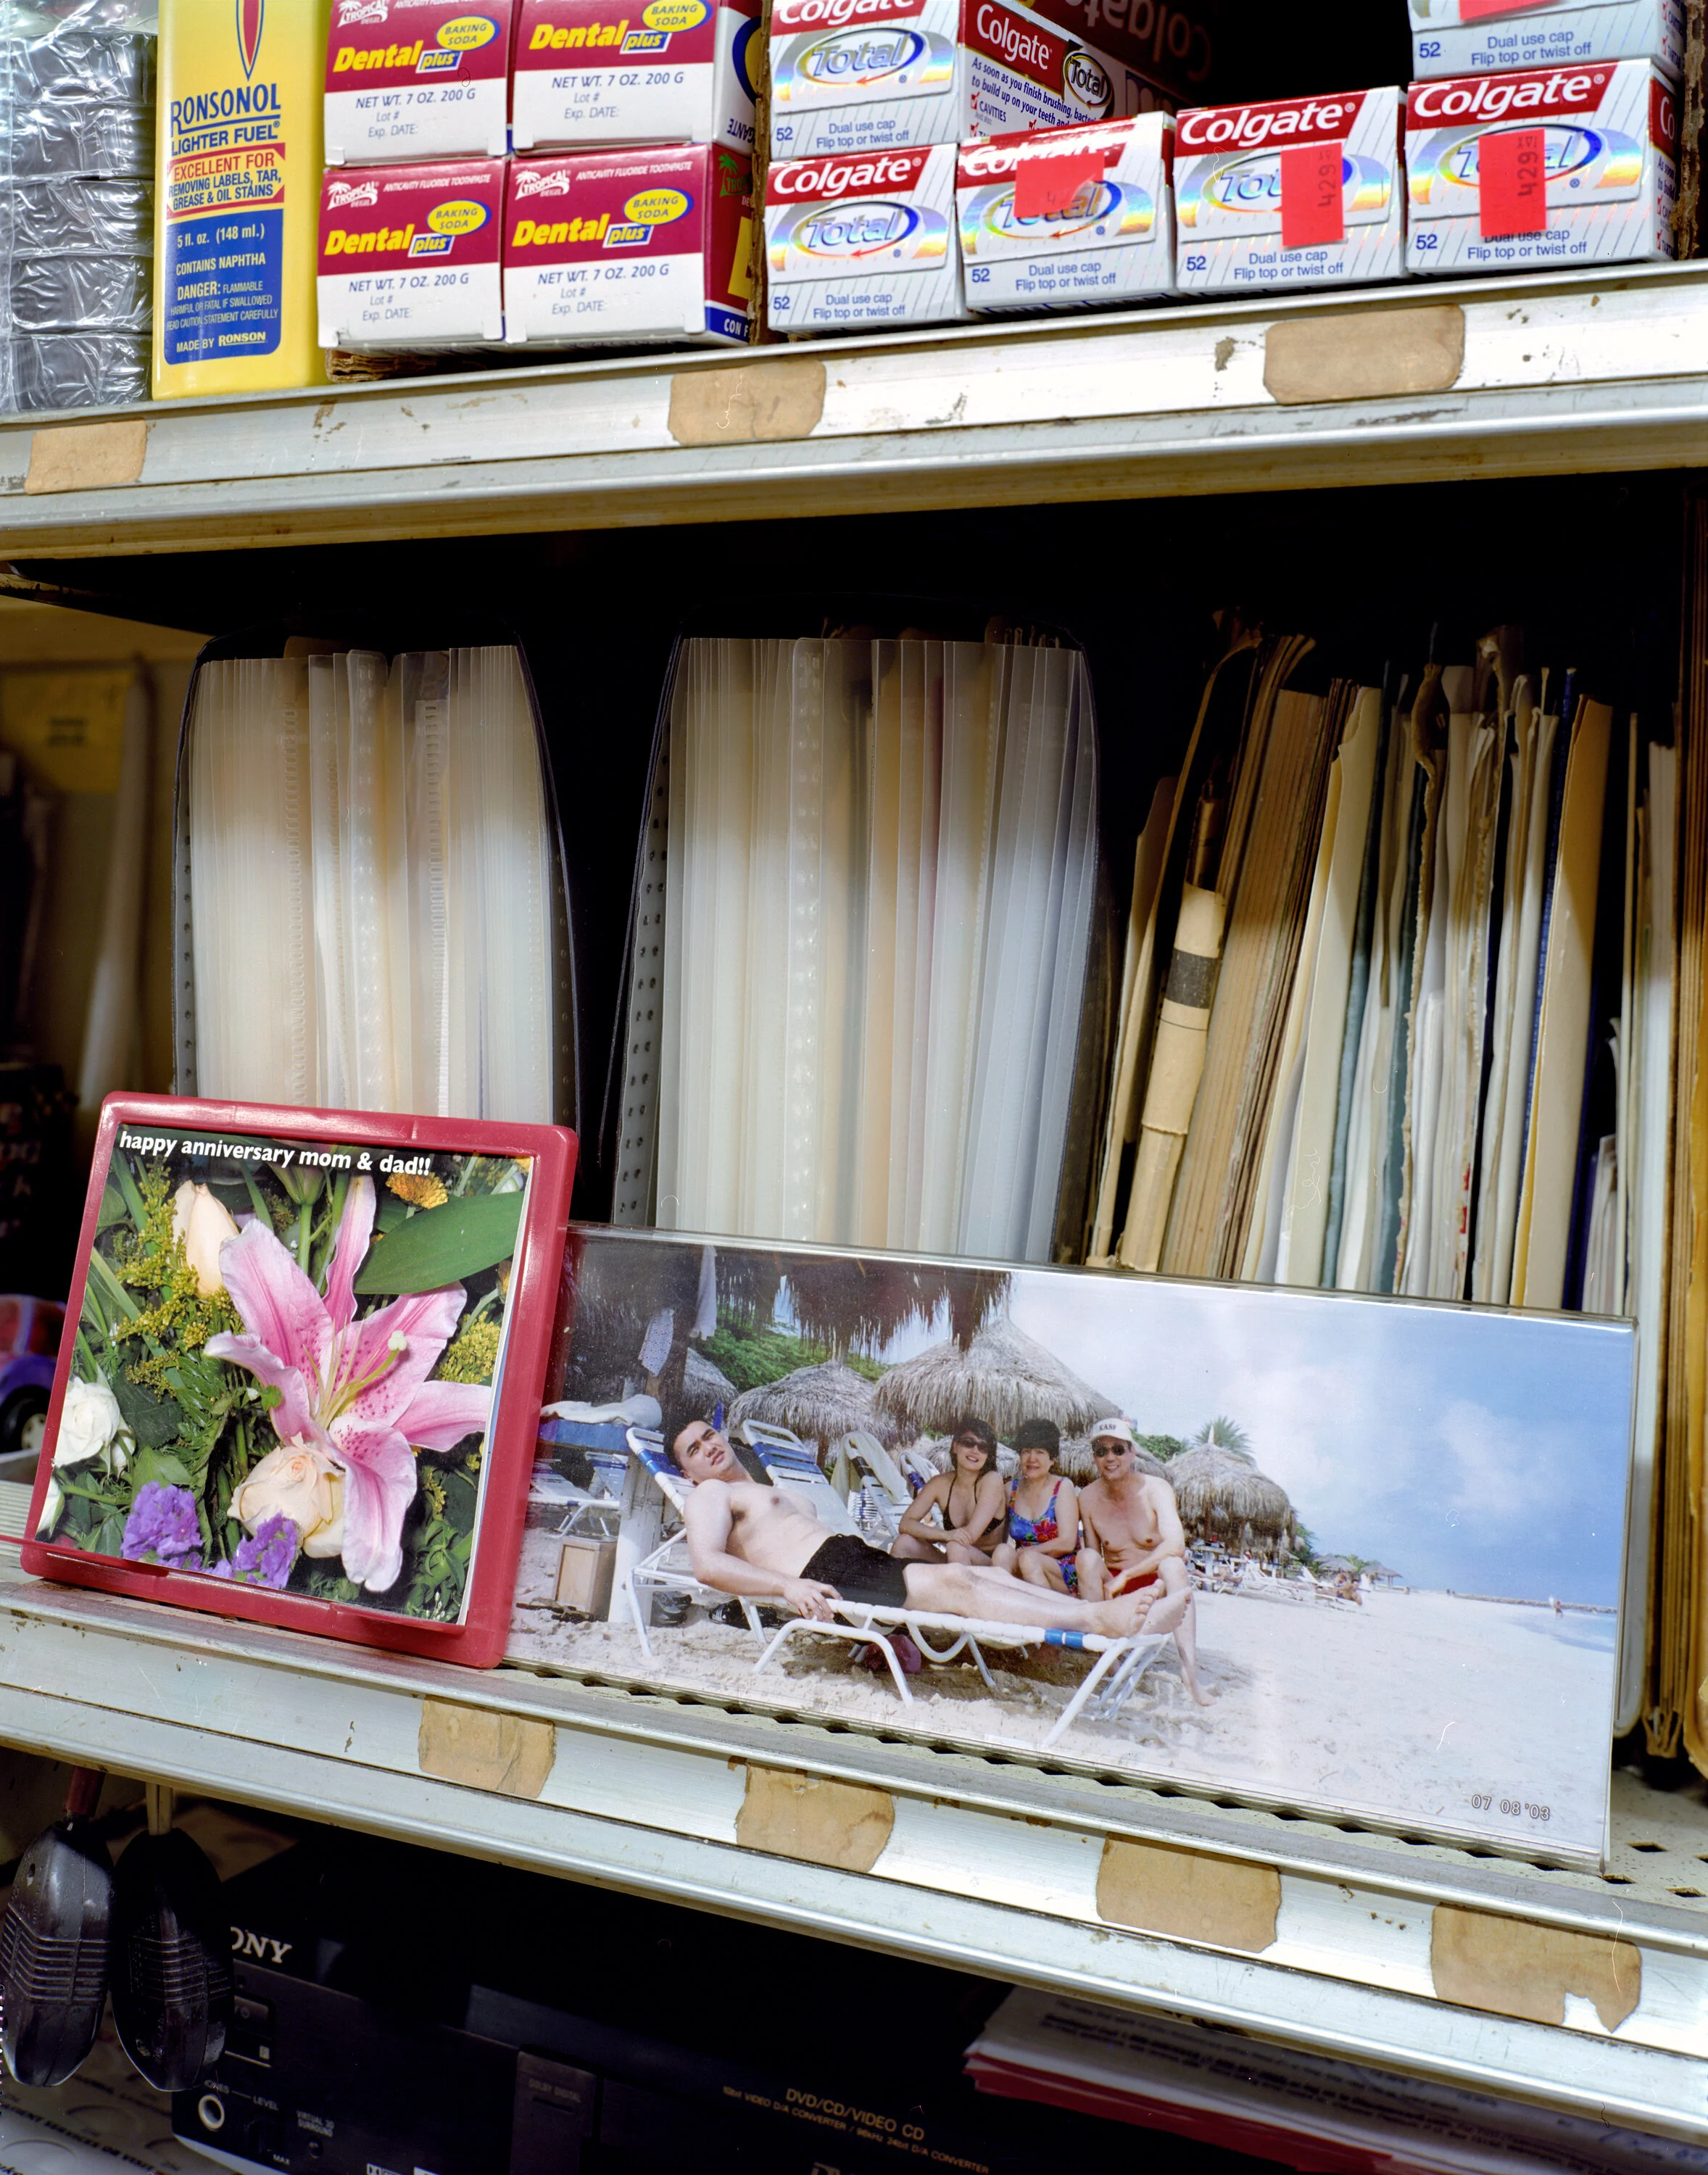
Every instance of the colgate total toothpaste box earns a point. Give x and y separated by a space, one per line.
1471 37
865 240
1068 217
1542 166
640 71
637 244
416 80
873 75
1298 193
409 256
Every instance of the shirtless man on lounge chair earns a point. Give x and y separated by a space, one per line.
746 1539
1135 1542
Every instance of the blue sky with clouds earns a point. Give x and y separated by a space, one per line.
1468 1449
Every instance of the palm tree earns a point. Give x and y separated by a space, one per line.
1223 1433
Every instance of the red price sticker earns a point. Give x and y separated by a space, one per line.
1045 187
1313 207
1479 11
1512 182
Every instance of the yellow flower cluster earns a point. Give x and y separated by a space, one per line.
434 1489
420 1189
472 1355
180 1319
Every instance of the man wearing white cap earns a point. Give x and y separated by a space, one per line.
1134 1541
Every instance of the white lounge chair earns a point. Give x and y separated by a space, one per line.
665 1566
884 1493
594 1509
649 1562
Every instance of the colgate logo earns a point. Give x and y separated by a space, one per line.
1019 46
808 14
1492 97
1250 127
340 195
836 177
352 12
530 184
995 161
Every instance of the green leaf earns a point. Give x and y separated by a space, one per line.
443 1245
153 1421
112 1209
152 1464
392 1210
109 1538
120 1170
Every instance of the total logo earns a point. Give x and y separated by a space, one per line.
851 58
1090 206
1085 83
1565 151
847 232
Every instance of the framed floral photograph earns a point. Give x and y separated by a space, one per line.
305 1359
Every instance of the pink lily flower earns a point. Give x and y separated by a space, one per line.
354 1391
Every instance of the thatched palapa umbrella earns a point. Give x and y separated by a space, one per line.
1003 1376
819 1404
705 1387
1223 1497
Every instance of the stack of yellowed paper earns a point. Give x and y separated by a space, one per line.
1397 1009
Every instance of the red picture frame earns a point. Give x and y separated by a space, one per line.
478 1640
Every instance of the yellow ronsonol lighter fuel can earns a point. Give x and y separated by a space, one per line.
237 194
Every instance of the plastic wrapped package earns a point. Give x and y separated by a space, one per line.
77 125
88 215
52 135
75 370
82 294
111 68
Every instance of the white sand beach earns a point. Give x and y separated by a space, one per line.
1405 1711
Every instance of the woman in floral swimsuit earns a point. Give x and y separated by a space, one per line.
1043 1512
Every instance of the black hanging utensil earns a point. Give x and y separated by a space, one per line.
54 1939
171 1959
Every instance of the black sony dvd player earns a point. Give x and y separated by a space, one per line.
399 2012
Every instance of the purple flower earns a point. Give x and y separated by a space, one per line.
162 1528
265 1558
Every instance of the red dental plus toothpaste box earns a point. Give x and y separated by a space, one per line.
409 256
1542 166
636 245
1068 217
637 72
1476 37
862 240
871 75
1297 193
416 80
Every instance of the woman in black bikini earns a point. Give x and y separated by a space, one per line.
972 1499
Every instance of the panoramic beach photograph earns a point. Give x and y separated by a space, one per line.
1355 1556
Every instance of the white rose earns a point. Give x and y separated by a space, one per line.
52 1504
298 1482
203 1223
90 1426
